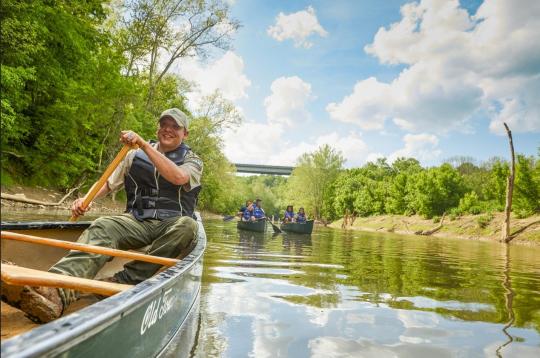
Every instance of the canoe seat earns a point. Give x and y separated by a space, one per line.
20 276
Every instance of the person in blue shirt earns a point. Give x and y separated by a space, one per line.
301 216
247 214
289 214
240 213
258 212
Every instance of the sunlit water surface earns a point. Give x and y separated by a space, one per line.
354 294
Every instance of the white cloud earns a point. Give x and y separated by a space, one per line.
226 74
456 65
420 146
297 26
372 157
263 143
353 148
287 103
252 142
363 105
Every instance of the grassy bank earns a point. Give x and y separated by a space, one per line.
475 227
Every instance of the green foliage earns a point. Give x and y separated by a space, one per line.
58 75
6 179
269 189
526 200
435 190
312 178
469 204
399 186
69 85
496 189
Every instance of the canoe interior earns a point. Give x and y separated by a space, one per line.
306 228
257 226
42 257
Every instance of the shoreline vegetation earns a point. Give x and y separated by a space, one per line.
485 227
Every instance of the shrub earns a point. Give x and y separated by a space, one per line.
470 204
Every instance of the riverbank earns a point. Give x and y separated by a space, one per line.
100 207
471 227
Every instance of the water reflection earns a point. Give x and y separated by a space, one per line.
340 293
299 244
509 299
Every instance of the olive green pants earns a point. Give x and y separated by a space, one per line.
167 238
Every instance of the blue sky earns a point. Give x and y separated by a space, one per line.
428 79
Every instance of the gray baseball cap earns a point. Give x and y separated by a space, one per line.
179 117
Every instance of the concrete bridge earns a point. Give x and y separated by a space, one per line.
263 169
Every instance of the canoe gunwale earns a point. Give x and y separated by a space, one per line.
66 332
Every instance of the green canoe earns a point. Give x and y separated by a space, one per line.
299 228
147 320
257 226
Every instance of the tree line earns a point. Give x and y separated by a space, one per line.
459 186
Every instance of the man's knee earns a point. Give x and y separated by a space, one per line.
184 230
99 232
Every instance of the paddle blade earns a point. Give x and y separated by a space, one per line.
276 229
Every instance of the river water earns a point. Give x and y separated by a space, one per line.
349 293
342 293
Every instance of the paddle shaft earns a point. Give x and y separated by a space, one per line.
89 248
276 229
106 174
21 276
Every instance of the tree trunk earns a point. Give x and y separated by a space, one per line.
23 199
505 232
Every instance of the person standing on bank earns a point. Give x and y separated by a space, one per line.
162 183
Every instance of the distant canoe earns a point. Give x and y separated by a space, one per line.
257 226
299 228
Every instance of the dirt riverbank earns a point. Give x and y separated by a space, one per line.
472 227
103 206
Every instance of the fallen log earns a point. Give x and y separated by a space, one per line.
432 231
23 199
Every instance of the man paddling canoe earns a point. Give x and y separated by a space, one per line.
162 183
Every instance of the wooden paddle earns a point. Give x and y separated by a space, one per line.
106 174
89 248
21 276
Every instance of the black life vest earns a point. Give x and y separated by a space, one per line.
150 196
